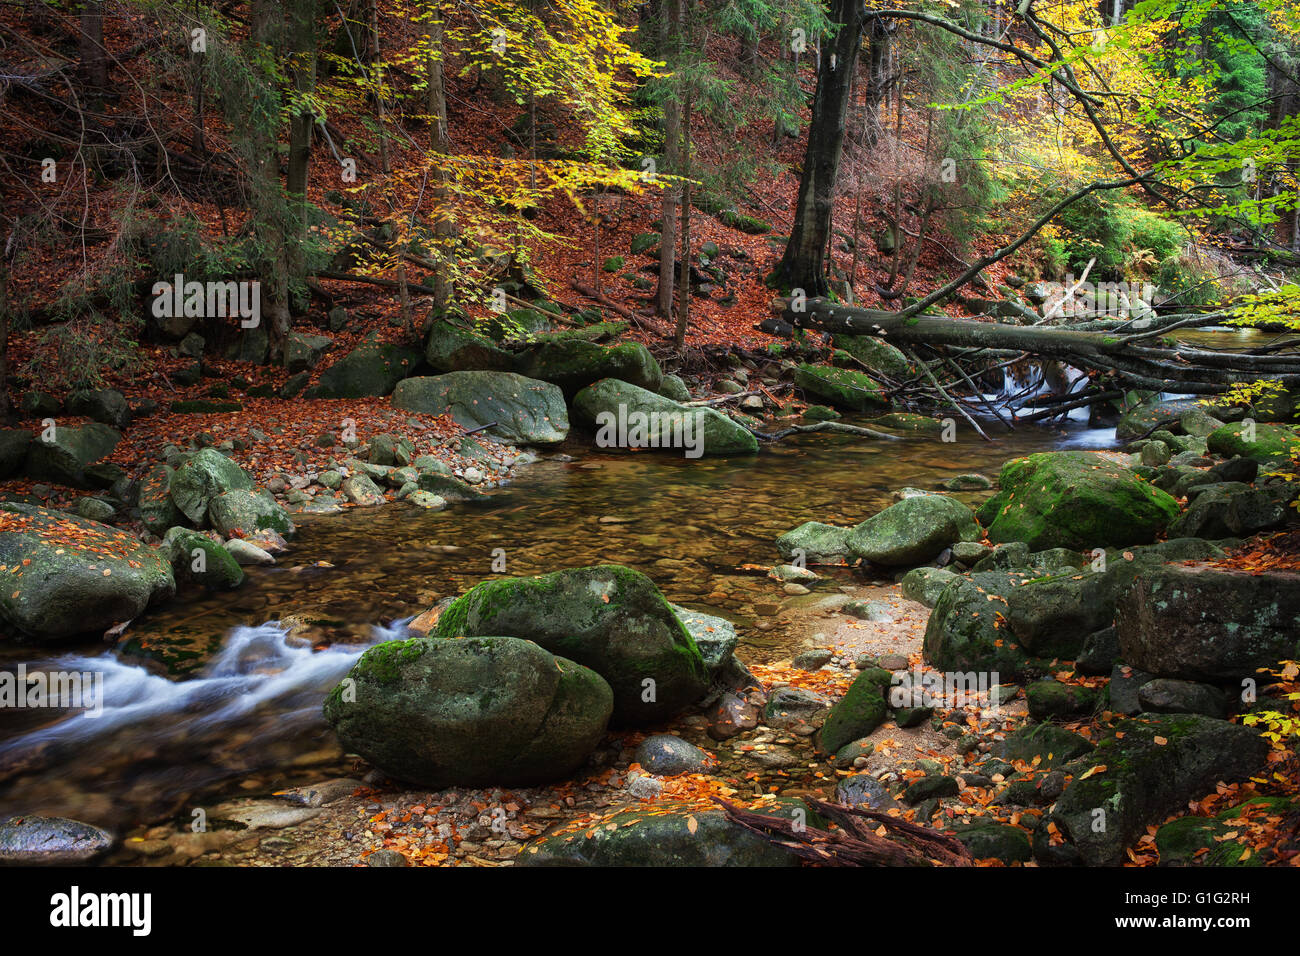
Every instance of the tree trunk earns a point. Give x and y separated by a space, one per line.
274 215
439 143
1131 356
94 59
803 265
670 26
684 276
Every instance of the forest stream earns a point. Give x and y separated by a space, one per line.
210 697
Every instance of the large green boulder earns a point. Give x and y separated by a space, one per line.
1253 440
454 348
624 415
575 364
876 355
518 410
482 711
913 531
372 368
1148 768
200 560
668 834
1076 500
245 511
610 618
1209 624
841 387
966 631
63 456
66 576
200 478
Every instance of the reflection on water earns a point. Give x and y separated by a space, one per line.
251 695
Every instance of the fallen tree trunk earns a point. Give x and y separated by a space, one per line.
1127 353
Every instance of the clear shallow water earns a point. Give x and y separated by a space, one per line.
205 697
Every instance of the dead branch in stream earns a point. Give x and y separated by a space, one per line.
858 841
1142 353
837 427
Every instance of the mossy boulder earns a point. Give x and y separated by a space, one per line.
1149 767
674 388
200 478
860 711
966 632
1209 624
372 368
244 511
1046 746
816 543
995 841
482 711
609 618
454 348
66 455
1206 841
667 834
662 423
518 410
198 559
1076 500
1143 419
67 576
1054 700
1253 440
913 531
877 355
575 364
841 387
643 242
924 585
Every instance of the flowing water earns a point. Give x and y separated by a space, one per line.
220 693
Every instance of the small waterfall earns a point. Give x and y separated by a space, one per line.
257 698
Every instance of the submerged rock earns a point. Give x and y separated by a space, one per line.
51 841
816 543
